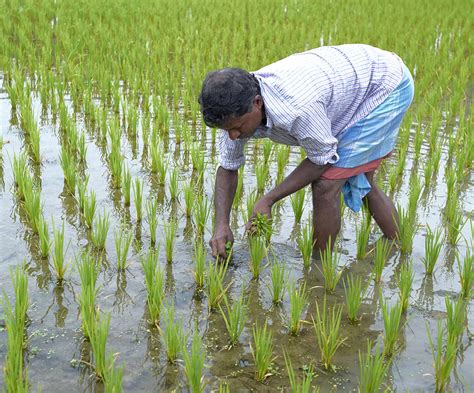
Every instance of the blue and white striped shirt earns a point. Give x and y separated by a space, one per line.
311 97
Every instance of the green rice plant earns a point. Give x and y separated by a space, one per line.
405 281
88 269
98 339
279 278
454 225
224 387
158 163
174 184
199 263
298 301
262 351
197 157
239 188
267 149
154 283
44 240
466 273
169 231
261 227
214 279
188 192
406 230
112 375
306 244
302 385
330 267
100 228
90 204
283 155
81 192
261 175
355 293
82 148
383 247
59 263
391 320
68 165
373 369
152 218
250 202
138 197
126 184
15 372
297 203
194 364
33 206
172 334
122 240
455 319
414 197
201 213
257 251
433 244
234 316
443 360
362 235
326 327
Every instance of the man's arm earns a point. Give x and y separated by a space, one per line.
224 192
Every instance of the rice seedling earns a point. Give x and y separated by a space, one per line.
297 203
414 197
443 361
298 301
126 184
261 175
326 328
158 164
90 204
194 364
362 235
283 154
250 202
68 165
279 278
174 184
239 188
433 244
406 230
267 150
44 240
454 226
302 385
100 228
98 339
197 157
405 281
172 334
234 316
169 231
455 319
354 295
262 351
112 375
59 263
383 247
88 271
330 267
466 273
391 320
214 282
224 387
257 251
152 218
81 192
122 240
373 369
33 207
199 263
154 283
188 193
306 244
138 197
201 213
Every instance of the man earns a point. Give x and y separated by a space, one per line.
342 104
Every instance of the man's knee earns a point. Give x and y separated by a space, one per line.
325 190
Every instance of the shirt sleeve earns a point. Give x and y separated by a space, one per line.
231 153
312 129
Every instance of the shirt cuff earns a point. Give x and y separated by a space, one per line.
330 158
231 165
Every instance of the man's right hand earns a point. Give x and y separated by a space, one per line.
222 235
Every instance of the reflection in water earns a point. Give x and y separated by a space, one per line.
61 311
122 298
426 294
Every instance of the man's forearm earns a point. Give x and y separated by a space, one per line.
305 173
225 187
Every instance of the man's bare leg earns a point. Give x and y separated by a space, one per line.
382 209
326 212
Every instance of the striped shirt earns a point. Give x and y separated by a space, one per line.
311 97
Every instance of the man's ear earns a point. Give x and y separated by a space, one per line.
258 101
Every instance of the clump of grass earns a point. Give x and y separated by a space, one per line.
201 214
138 197
122 239
194 364
456 318
44 240
126 185
172 334
258 251
154 283
235 316
279 278
405 282
297 203
306 244
302 385
283 154
391 320
362 235
112 375
298 301
170 235
188 192
406 232
90 203
151 212
199 263
261 227
214 283
100 229
354 295
433 244
98 339
330 267
382 251
174 184
261 175
249 203
68 165
466 274
326 328
59 263
373 369
88 271
262 351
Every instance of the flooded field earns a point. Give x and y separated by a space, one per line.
115 118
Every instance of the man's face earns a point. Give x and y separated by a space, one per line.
244 126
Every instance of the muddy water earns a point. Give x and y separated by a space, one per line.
57 355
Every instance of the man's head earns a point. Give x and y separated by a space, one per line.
230 99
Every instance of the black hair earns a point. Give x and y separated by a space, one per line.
227 93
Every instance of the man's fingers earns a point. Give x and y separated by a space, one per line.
213 245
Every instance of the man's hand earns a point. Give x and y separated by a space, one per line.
222 236
263 207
